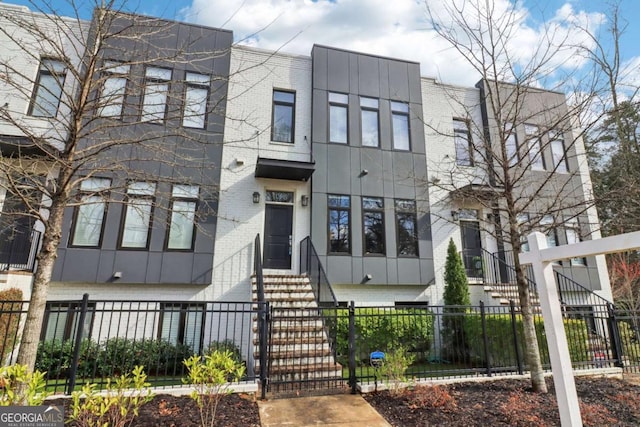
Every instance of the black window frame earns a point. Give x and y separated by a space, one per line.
347 209
337 104
81 194
369 109
72 310
110 71
555 136
150 80
400 210
192 84
292 105
184 308
371 211
510 132
466 135
44 70
534 140
128 203
400 113
194 229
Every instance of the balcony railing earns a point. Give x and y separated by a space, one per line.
19 248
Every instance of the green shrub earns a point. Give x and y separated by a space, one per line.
54 357
20 387
10 308
630 342
225 345
393 368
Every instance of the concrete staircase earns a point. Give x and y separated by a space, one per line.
299 349
502 293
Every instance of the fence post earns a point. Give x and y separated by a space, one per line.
514 330
485 338
264 317
352 347
78 343
614 333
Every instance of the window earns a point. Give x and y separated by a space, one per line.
61 321
550 231
137 215
369 119
572 233
558 152
182 324
156 88
279 196
283 122
183 215
406 228
400 122
338 117
462 140
195 100
523 220
113 89
48 88
339 208
89 216
373 225
511 146
535 148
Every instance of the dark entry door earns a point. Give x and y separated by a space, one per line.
278 223
471 248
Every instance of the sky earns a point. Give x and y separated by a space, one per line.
392 28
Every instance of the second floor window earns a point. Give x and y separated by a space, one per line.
369 122
113 89
283 120
511 146
156 89
406 228
136 219
558 153
339 212
535 148
462 141
373 225
338 117
195 100
89 215
184 200
48 88
400 122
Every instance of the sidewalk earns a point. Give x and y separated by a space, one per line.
343 410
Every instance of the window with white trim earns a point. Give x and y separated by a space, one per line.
113 89
400 125
535 147
136 219
156 89
184 200
47 91
195 100
89 215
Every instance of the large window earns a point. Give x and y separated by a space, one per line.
369 119
136 219
61 321
283 121
400 122
535 148
113 89
89 215
558 153
462 140
184 200
195 100
48 88
511 146
182 324
373 225
338 118
339 212
406 228
154 106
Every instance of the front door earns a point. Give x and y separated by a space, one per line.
471 248
278 224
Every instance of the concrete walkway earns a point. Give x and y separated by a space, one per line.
343 410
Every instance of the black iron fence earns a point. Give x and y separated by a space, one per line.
18 248
310 264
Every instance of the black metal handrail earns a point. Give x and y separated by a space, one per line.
311 265
263 321
19 249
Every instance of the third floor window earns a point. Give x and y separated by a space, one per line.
156 88
283 120
48 88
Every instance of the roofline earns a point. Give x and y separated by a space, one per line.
364 54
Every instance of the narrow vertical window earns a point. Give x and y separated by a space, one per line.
558 153
182 324
572 233
373 225
511 146
113 89
195 100
535 147
48 88
89 215
136 220
338 117
523 220
406 228
184 199
283 120
339 213
61 321
154 105
369 122
547 223
462 140
400 123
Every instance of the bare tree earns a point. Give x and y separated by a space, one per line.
525 162
121 109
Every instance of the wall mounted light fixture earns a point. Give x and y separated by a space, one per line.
363 173
455 215
117 275
304 200
256 197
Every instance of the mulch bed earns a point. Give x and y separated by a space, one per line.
603 402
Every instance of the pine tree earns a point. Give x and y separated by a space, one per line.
456 291
456 298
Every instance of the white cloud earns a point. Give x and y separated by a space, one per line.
397 29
